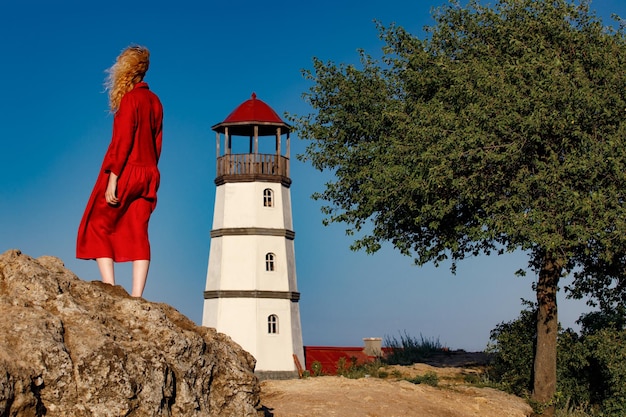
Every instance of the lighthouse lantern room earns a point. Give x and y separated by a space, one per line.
251 291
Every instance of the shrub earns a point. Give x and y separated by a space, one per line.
512 345
573 371
429 378
591 367
408 350
474 379
608 370
316 368
352 369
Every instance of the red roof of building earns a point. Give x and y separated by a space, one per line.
330 356
250 113
253 110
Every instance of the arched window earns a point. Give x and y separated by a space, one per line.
272 324
269 261
268 198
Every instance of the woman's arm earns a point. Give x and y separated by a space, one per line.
111 193
124 126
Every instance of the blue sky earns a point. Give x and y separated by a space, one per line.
207 58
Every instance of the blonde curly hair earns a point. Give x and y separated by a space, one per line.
129 69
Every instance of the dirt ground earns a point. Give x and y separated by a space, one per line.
394 396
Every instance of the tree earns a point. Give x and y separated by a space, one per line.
591 367
502 130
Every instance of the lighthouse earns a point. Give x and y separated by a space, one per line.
251 288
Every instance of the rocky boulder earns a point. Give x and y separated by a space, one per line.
74 348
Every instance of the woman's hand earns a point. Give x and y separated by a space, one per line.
111 193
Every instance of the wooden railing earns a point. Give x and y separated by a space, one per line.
253 164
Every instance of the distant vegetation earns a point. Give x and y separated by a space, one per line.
408 350
405 350
591 365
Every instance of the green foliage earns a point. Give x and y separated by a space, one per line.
608 365
504 129
350 368
573 371
513 345
408 350
429 378
344 367
597 320
573 413
316 368
472 379
396 374
591 367
481 380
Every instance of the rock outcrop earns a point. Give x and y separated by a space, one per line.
72 348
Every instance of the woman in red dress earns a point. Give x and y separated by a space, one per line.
114 227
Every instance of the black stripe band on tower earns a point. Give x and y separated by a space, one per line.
280 295
257 231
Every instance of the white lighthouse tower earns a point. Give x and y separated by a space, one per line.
251 291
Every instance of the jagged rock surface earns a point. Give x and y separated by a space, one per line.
74 348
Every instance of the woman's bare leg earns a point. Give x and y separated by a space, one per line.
107 270
140 276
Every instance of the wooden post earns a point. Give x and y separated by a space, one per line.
278 158
227 140
217 152
256 139
298 365
287 154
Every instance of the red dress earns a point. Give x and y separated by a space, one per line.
120 232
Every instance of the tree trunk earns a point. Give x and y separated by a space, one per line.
544 381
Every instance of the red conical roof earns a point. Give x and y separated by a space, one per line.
250 113
253 110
